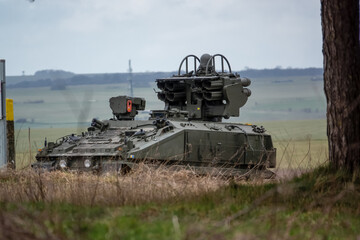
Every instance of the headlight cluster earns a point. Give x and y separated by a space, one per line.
64 164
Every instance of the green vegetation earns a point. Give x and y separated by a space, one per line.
300 144
159 204
273 99
318 205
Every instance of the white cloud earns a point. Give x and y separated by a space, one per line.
100 36
94 15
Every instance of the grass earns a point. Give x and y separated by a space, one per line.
300 144
296 130
321 204
160 204
268 101
143 185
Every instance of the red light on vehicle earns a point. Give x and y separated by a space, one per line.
129 105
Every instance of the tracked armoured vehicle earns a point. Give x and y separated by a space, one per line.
188 133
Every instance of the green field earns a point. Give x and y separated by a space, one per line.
160 204
300 144
292 109
270 101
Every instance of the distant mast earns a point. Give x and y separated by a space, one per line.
130 80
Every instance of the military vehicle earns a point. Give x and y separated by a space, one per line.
189 133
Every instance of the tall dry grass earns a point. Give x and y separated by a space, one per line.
142 185
295 158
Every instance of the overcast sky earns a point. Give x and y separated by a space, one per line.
98 36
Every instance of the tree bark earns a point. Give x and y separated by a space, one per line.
341 49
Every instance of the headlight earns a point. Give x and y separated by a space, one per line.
87 163
63 163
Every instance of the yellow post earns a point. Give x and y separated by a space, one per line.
10 133
9 109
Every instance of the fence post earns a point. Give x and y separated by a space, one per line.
10 133
3 142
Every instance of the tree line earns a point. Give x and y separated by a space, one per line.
50 78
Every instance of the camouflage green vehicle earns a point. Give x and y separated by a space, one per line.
188 133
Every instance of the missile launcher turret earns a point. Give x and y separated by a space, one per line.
188 133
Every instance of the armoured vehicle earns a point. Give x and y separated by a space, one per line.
188 133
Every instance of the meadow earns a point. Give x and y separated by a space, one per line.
159 204
301 144
271 100
307 201
292 109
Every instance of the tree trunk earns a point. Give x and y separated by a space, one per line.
341 49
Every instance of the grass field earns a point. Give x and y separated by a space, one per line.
269 101
160 204
275 105
300 144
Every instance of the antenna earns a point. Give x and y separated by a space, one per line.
130 80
